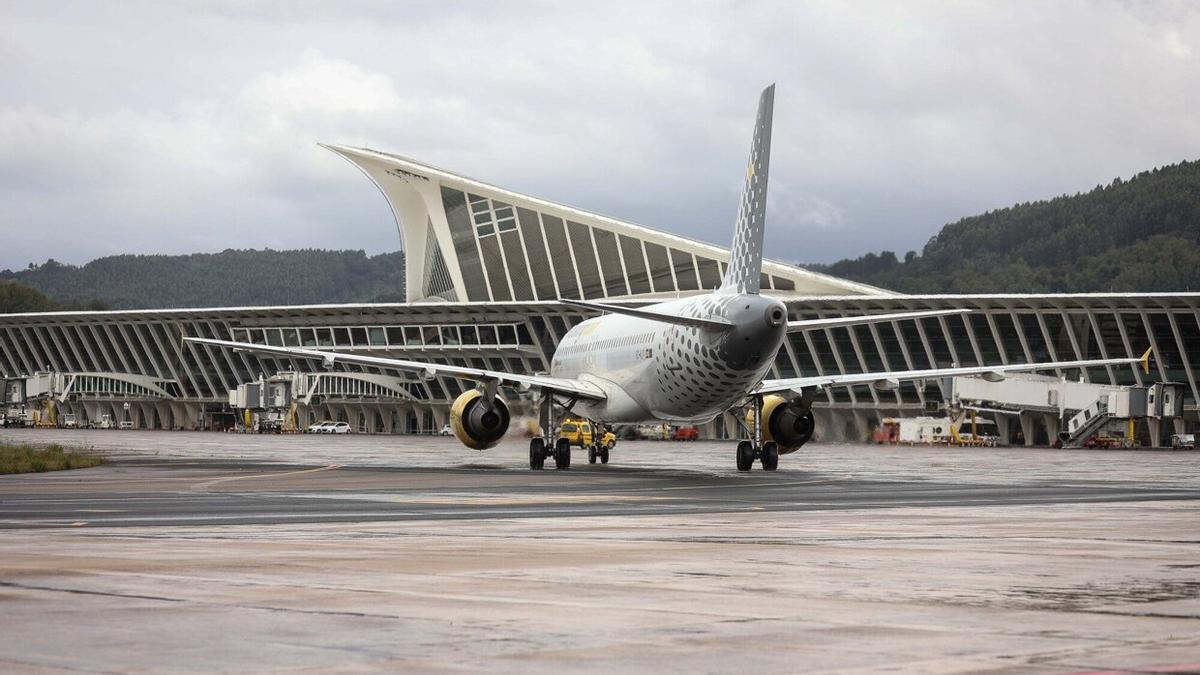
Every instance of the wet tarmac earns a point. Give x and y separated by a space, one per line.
200 552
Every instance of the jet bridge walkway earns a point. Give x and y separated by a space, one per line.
1073 414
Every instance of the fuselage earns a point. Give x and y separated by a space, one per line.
654 371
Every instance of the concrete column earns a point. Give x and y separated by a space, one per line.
1179 425
1003 428
731 427
1026 420
92 409
862 426
179 412
1155 427
1053 424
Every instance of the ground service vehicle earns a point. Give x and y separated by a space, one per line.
577 432
1183 441
685 433
682 361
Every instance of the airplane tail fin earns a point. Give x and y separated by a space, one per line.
745 257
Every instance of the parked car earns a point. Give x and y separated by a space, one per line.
339 428
447 430
320 427
125 424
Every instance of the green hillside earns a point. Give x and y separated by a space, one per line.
15 298
228 278
1142 234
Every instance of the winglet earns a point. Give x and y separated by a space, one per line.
1145 360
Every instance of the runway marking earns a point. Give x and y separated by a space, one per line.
507 500
480 499
823 481
204 485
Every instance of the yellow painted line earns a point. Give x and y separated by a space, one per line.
204 485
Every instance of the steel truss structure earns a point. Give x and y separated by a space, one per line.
485 269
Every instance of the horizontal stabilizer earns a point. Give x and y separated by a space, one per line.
651 315
816 324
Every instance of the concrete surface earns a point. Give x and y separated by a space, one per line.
203 552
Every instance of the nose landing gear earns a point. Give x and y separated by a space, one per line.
546 447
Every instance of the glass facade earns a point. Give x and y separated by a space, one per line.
1000 330
517 253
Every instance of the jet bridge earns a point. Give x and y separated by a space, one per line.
1073 413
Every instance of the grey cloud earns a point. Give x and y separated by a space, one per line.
163 128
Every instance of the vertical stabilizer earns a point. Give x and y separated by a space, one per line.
745 257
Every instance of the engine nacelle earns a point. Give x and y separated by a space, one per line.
474 425
789 423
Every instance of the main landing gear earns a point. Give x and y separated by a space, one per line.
546 447
539 452
598 452
766 452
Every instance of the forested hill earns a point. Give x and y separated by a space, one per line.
1142 234
228 278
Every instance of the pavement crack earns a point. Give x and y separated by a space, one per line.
82 591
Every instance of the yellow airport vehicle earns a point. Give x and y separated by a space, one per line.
577 432
595 438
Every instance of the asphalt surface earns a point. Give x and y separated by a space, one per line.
138 493
137 488
196 552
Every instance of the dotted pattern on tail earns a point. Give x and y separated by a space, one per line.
745 257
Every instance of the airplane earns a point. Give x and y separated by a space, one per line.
681 361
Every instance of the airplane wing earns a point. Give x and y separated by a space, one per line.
558 384
814 324
889 380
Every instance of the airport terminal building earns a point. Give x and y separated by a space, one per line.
485 268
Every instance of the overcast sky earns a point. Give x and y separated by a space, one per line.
130 127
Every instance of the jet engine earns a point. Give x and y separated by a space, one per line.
477 425
788 423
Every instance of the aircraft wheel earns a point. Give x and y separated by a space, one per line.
562 454
604 455
592 455
745 455
770 456
537 453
